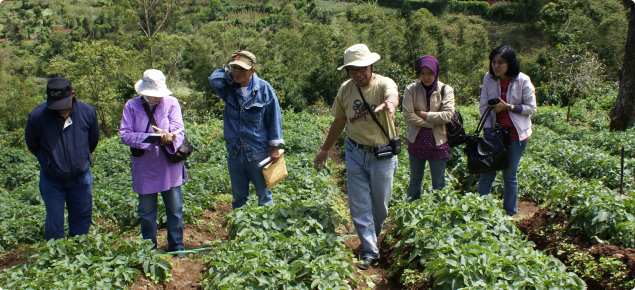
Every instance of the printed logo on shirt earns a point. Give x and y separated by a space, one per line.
360 111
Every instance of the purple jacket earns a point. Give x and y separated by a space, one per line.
153 172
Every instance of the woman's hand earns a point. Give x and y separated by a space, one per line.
166 137
422 114
502 106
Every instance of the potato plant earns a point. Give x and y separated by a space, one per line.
102 261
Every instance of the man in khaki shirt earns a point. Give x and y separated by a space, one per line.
369 180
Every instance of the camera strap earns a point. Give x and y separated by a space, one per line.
372 114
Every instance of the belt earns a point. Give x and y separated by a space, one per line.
366 148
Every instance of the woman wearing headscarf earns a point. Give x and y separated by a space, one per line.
152 171
427 106
516 104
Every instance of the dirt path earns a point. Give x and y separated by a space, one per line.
526 208
187 272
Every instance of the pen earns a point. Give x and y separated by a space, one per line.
175 132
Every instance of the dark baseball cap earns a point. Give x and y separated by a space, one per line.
58 93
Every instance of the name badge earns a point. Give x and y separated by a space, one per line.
68 122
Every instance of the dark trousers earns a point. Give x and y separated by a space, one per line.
77 194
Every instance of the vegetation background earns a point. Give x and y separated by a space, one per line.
572 50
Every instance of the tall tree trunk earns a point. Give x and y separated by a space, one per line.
624 112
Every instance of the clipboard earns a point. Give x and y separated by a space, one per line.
152 138
275 173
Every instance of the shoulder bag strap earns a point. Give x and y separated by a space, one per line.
481 124
372 114
443 92
150 114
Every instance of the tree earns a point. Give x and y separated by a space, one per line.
624 113
155 14
103 76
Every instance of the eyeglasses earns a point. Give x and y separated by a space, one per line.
352 71
238 69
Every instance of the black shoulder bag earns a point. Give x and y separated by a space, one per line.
136 152
390 149
488 153
454 128
183 152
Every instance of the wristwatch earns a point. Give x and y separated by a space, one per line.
512 108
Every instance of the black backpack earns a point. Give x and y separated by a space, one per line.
456 132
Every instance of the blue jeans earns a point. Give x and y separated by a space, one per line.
369 183
172 198
77 194
510 185
243 171
417 167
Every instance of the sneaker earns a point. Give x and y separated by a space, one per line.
510 218
365 263
180 256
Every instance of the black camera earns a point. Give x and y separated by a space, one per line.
492 102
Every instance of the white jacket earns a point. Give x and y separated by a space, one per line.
520 93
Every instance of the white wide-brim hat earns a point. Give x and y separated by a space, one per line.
359 55
152 84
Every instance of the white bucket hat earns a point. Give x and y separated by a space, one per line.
152 84
359 55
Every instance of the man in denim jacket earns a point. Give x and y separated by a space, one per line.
252 125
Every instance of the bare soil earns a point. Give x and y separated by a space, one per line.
14 258
526 208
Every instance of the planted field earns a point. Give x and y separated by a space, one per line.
302 241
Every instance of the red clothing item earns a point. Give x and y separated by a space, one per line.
503 117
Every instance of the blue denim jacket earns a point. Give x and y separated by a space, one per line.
254 124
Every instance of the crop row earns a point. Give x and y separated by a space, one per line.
579 160
603 140
465 242
290 244
599 211
93 261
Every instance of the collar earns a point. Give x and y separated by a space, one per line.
254 83
251 83
511 80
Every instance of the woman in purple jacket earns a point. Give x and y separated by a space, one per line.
152 171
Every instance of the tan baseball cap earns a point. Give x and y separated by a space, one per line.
244 59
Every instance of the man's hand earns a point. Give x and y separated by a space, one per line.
320 159
502 106
229 73
274 154
386 106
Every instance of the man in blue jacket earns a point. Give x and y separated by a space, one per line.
252 125
62 133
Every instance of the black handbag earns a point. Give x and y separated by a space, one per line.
390 149
487 153
454 128
183 152
136 152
